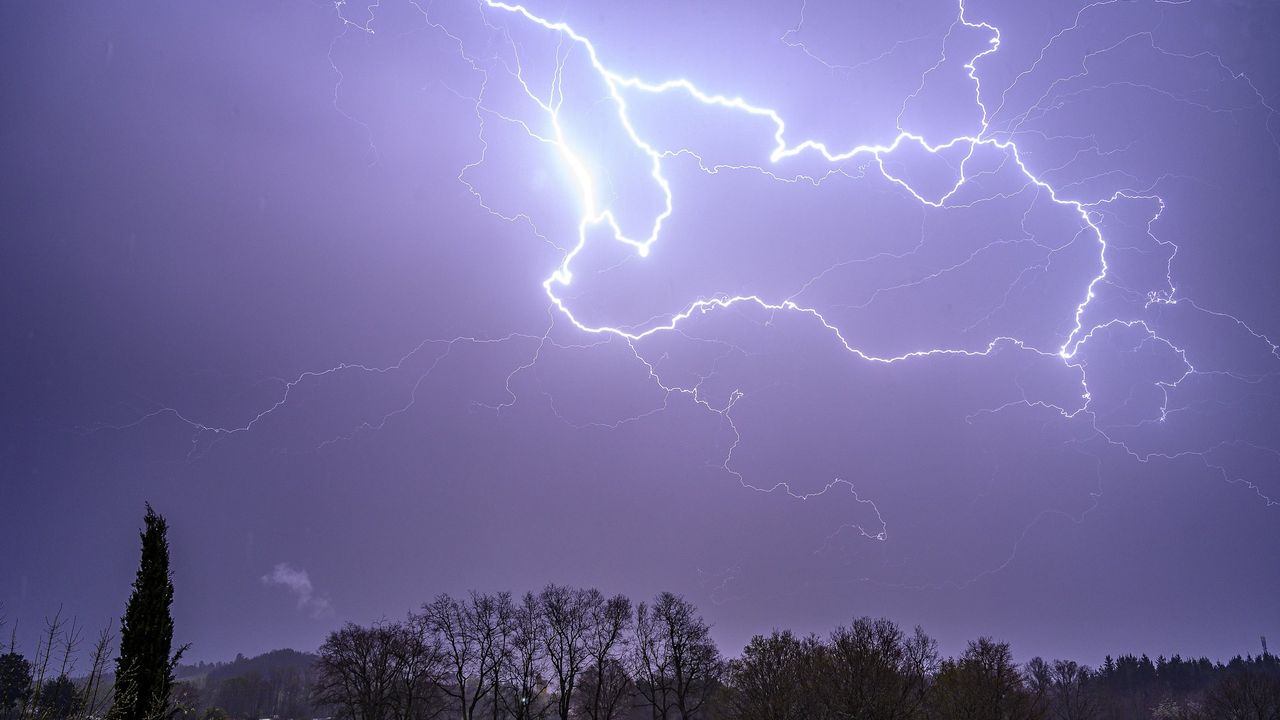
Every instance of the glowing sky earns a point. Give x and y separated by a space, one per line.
960 314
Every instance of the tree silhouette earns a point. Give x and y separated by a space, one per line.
679 666
15 684
144 670
59 699
768 680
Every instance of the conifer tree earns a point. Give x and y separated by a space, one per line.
144 670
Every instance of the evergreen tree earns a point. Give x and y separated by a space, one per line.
15 684
144 670
59 699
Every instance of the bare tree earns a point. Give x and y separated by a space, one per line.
1245 695
983 684
356 672
1037 677
768 681
1069 695
606 681
679 667
94 695
652 663
46 645
873 670
469 633
389 671
606 692
568 612
418 672
526 695
502 651
71 640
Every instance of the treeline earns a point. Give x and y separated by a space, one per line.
273 685
570 652
55 683
565 652
140 688
67 679
575 653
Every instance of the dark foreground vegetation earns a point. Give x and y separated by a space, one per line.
575 653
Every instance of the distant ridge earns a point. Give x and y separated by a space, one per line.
263 665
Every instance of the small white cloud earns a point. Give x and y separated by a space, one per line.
298 582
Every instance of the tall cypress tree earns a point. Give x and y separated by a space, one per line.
144 670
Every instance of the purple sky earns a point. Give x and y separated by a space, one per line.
289 273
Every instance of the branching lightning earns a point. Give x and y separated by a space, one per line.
596 214
593 215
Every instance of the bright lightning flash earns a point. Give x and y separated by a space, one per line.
596 213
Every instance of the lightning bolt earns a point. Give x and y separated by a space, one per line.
597 213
